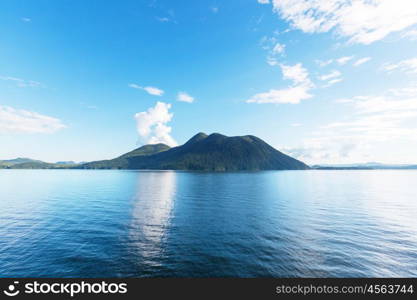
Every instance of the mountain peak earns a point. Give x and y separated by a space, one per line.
198 137
216 134
216 137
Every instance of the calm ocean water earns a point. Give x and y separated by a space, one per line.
80 223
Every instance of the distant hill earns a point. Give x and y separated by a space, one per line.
66 162
18 160
365 166
10 163
203 152
34 165
27 163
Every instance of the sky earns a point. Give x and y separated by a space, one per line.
326 81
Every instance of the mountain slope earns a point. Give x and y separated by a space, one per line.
123 161
146 150
24 163
215 152
365 166
35 165
19 160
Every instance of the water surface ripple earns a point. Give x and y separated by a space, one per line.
86 223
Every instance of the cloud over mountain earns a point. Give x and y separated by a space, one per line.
152 125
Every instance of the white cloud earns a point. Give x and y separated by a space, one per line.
378 121
26 20
361 21
274 49
184 97
268 42
149 89
333 149
403 92
411 34
22 121
343 60
331 78
361 61
151 125
278 48
21 82
263 1
407 66
163 19
333 81
272 61
297 73
214 9
153 91
134 86
294 94
382 104
323 63
331 75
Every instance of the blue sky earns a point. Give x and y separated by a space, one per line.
324 81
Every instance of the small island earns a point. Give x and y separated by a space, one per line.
214 152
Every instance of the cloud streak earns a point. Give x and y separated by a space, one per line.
331 78
361 21
293 94
331 75
21 82
154 91
184 97
377 120
340 61
408 66
344 60
274 48
23 121
361 61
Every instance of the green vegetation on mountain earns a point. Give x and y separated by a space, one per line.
33 165
12 163
27 163
203 152
146 150
19 160
123 162
70 162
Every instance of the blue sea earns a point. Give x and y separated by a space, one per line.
111 223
